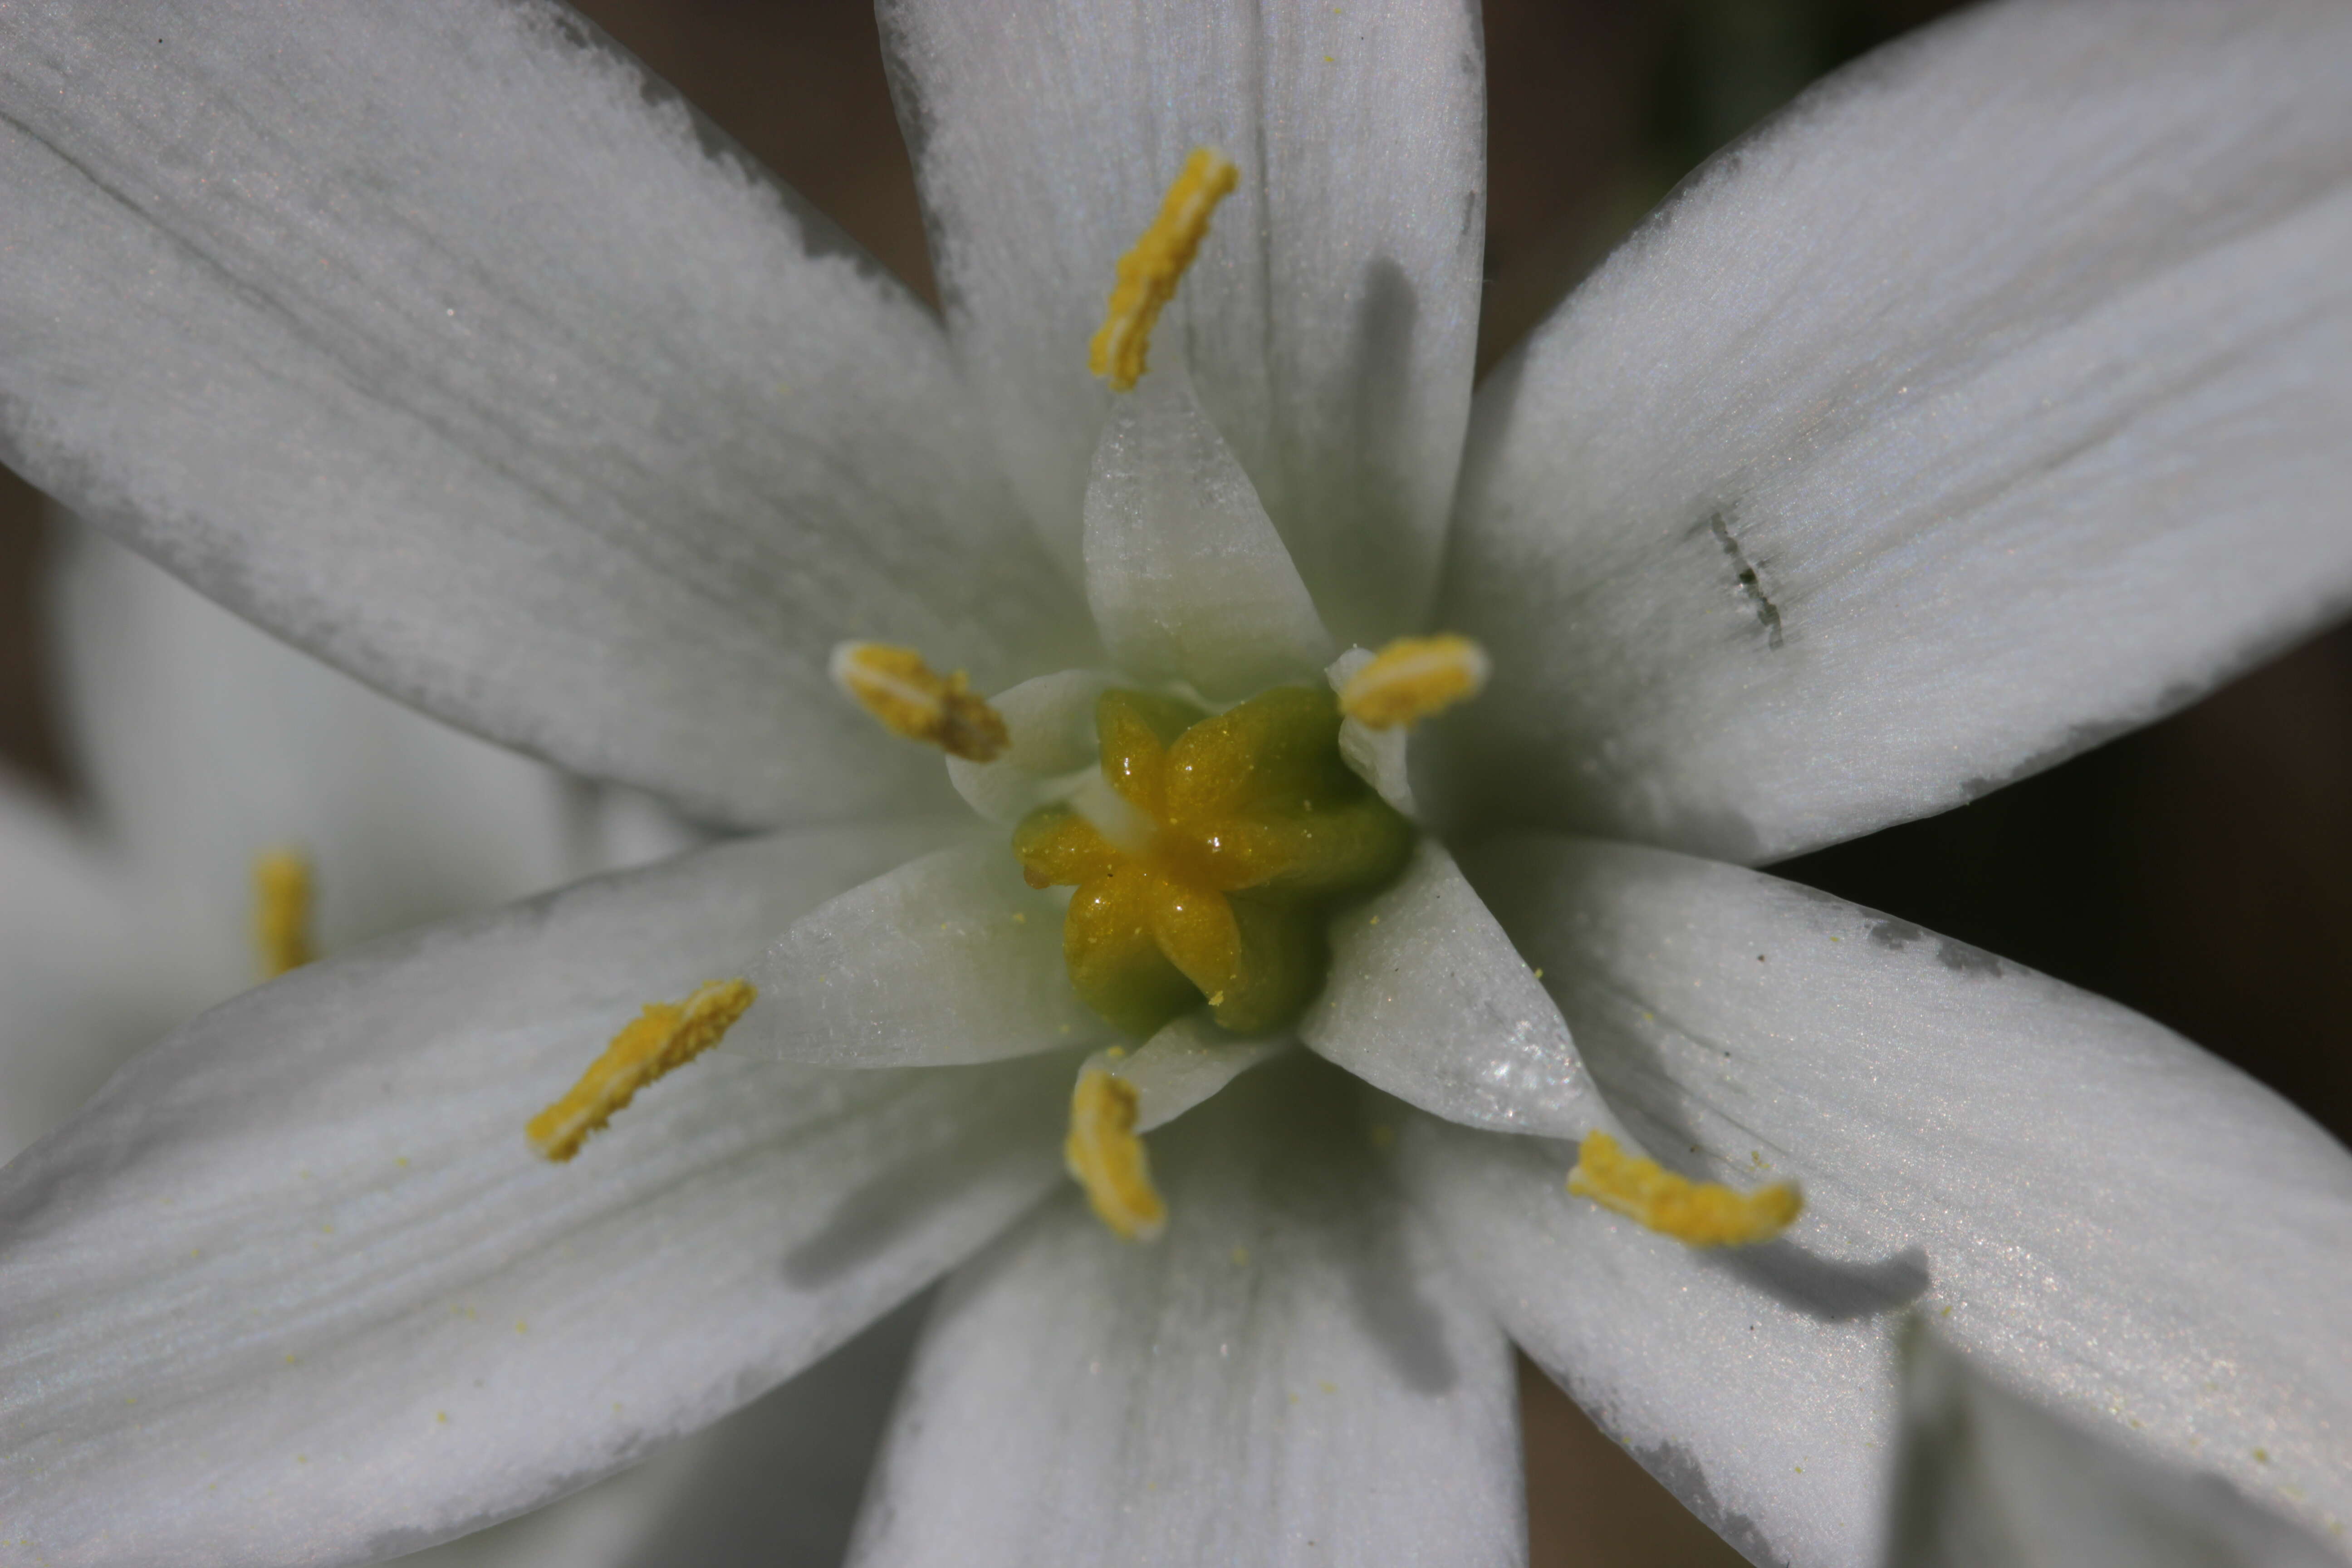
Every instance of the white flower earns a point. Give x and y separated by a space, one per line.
1991 399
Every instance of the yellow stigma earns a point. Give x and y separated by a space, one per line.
1702 1214
1148 274
665 1037
913 700
1414 678
1250 829
282 911
1109 1160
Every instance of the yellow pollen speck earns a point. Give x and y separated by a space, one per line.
1413 678
282 911
913 700
1702 1214
1109 1160
1148 274
665 1037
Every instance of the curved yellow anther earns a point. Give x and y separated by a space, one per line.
1148 274
913 700
1414 678
1702 1214
282 911
1107 1158
665 1037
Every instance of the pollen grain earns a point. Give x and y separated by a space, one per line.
665 1037
911 699
1700 1214
1148 274
1413 678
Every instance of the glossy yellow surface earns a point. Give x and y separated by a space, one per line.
1251 828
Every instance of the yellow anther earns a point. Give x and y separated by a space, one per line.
914 700
1414 678
1148 274
282 911
665 1037
1703 1213
1109 1160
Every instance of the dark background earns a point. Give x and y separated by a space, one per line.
2200 871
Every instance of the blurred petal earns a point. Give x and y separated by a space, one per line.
1988 1479
775 1485
292 1289
2117 1221
1288 1376
1429 1000
207 743
446 343
1186 577
952 958
1330 321
1989 402
76 993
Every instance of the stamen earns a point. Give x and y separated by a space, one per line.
282 911
1702 1214
1148 274
665 1037
1109 1160
913 700
1414 678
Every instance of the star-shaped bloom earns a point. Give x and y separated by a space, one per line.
1990 399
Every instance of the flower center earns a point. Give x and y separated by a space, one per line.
1208 849
1239 833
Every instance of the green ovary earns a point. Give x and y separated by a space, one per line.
1249 829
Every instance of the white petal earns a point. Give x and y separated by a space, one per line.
1049 725
1186 577
2111 1217
1429 1000
447 345
293 1290
1378 756
952 958
777 1481
1184 1065
1990 401
1989 1479
1329 319
76 997
1290 1376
